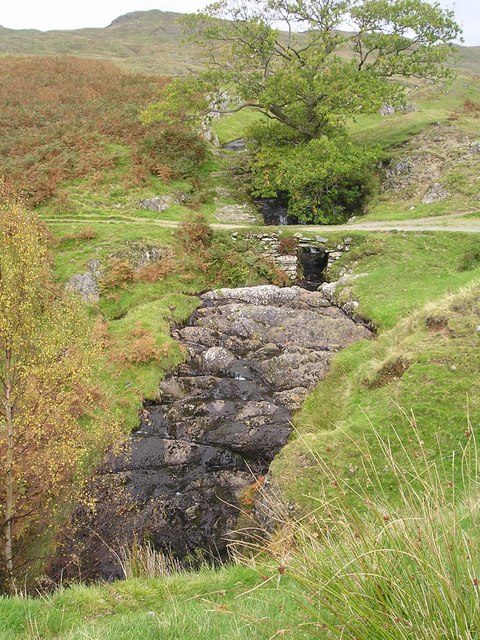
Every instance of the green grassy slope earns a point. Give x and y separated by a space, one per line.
421 292
438 141
186 607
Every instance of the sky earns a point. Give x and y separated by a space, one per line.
59 14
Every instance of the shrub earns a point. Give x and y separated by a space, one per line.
195 234
57 116
327 180
155 271
86 233
470 260
182 151
119 274
472 107
140 348
196 197
272 273
288 245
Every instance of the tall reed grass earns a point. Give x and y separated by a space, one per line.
365 567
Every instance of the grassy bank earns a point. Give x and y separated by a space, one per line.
389 571
140 304
421 292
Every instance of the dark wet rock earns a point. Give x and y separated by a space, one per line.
275 211
235 145
222 417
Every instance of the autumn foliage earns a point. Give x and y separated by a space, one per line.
58 117
50 418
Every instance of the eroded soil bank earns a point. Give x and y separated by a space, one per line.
253 355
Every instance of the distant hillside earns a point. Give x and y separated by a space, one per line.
147 41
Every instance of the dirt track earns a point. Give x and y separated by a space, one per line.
454 222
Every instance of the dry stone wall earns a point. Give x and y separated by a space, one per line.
273 248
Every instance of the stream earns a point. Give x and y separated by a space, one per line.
253 355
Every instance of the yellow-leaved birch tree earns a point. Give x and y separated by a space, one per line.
50 422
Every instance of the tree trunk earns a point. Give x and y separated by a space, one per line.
277 112
8 527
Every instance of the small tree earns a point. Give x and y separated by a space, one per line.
47 401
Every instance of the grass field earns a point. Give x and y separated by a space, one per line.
187 607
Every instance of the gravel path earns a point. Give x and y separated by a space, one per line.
454 222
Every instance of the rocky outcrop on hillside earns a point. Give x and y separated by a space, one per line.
135 253
422 171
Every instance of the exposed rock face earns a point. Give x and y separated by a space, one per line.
401 168
407 108
157 203
421 172
435 193
390 110
138 253
387 110
254 353
86 285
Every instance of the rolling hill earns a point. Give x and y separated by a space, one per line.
144 41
